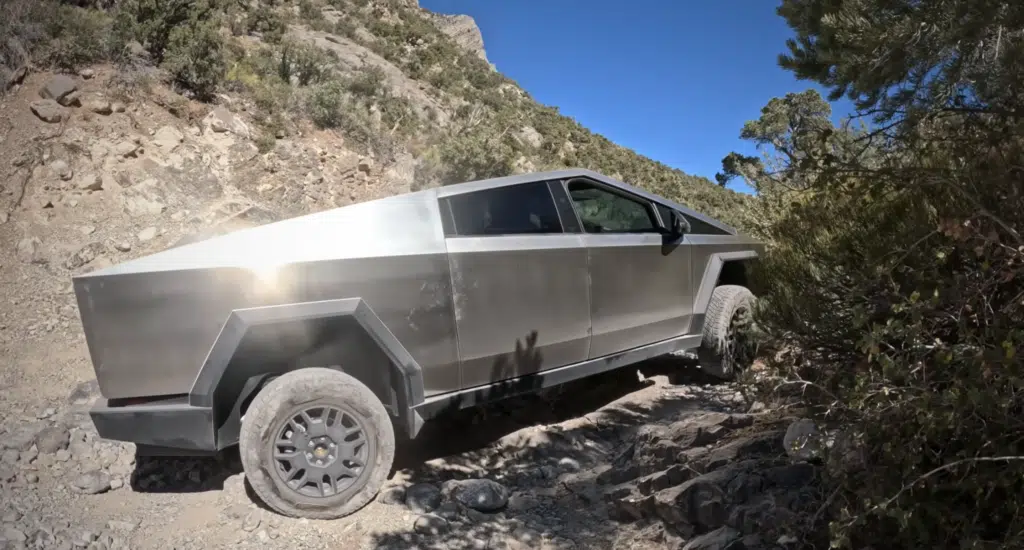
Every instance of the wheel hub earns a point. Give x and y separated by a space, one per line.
320 451
323 452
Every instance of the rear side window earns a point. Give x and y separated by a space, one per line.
523 209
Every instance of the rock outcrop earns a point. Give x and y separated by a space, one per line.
463 30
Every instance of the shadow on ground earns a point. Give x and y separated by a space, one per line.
555 458
467 430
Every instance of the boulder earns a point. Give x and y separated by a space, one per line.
61 169
90 182
126 149
58 88
167 138
221 120
29 251
99 106
84 255
47 110
719 539
423 497
16 77
147 234
482 495
803 440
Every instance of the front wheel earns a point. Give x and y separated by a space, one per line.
728 344
316 443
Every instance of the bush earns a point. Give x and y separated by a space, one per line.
309 11
195 57
477 154
81 37
324 104
265 142
345 28
367 83
266 21
151 22
398 115
895 274
308 63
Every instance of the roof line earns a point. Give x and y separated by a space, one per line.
492 183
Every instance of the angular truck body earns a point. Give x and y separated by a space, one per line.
436 299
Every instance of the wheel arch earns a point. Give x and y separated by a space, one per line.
721 268
258 344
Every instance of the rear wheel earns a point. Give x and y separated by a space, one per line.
728 344
316 443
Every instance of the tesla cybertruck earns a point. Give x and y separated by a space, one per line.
308 342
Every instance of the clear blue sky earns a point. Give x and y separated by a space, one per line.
672 79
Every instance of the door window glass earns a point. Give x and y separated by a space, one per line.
603 211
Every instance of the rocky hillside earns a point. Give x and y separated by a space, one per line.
121 136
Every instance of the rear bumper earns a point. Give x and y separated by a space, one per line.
170 423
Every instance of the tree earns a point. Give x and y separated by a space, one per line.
737 165
905 58
896 260
798 140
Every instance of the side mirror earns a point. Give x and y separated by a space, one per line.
677 225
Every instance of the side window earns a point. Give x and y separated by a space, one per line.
511 210
604 211
665 213
697 227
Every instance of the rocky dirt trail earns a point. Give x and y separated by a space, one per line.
665 459
670 461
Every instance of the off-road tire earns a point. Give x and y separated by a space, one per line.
313 387
728 343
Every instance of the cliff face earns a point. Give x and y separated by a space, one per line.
463 30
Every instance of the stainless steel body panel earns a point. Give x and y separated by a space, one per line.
522 304
641 291
470 311
150 322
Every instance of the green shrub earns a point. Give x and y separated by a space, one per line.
272 97
324 104
23 23
268 22
309 11
308 63
895 275
398 115
195 57
367 83
151 22
81 37
345 27
265 141
479 153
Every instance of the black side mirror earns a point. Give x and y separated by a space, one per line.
677 225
